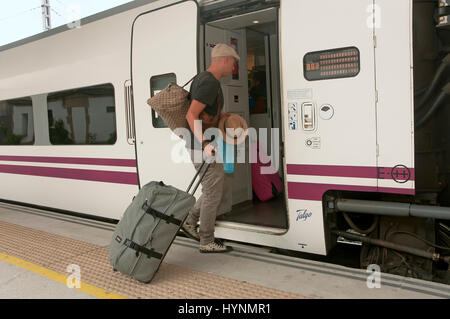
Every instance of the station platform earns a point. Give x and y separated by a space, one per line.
40 251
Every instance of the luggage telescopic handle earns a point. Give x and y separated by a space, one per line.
198 173
195 177
200 180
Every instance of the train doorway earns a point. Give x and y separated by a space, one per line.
252 91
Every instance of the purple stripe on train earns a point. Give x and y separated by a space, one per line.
399 173
313 191
69 173
71 160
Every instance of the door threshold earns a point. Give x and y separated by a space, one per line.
251 228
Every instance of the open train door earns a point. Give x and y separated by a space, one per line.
164 50
329 107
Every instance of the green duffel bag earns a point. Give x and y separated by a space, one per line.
148 227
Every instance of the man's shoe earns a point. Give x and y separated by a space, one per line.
217 246
191 231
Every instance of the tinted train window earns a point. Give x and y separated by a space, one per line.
158 83
82 116
16 122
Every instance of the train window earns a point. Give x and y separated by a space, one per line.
157 83
332 64
82 116
16 122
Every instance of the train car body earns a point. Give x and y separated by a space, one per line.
339 104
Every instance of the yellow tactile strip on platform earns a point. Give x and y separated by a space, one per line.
56 252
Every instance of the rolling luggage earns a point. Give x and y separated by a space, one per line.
148 228
265 186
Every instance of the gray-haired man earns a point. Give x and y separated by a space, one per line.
206 105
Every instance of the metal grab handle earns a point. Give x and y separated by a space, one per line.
131 127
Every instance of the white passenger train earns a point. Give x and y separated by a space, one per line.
351 90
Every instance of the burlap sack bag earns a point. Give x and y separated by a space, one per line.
172 104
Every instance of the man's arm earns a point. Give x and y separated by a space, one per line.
193 115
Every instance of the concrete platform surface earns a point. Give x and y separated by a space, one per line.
247 267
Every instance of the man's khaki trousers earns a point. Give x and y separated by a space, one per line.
208 206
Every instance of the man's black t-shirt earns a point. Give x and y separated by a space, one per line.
206 89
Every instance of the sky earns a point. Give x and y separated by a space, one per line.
23 18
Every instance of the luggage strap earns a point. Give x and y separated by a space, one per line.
141 249
169 219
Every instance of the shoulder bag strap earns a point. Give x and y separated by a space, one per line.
188 82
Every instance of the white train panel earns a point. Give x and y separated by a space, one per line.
339 111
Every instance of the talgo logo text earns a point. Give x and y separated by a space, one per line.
303 214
